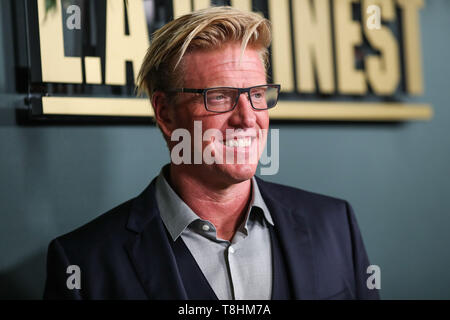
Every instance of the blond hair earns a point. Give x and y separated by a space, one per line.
203 29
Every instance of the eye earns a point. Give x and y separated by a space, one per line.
258 94
218 97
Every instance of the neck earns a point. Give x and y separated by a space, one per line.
224 205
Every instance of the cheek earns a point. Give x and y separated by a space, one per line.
198 124
186 115
188 110
214 120
263 119
181 122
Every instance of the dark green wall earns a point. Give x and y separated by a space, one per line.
397 177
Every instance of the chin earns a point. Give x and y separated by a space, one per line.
237 172
239 159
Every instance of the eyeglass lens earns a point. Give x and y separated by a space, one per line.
224 99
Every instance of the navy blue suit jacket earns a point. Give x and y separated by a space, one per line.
126 253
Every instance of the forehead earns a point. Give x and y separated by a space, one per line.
224 66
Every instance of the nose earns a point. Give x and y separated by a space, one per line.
243 115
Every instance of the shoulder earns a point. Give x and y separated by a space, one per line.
318 210
111 230
293 197
103 231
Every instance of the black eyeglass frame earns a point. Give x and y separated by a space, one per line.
240 91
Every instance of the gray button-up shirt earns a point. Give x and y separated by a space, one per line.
236 269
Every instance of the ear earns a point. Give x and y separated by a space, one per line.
163 113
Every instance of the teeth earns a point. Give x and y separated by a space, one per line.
241 143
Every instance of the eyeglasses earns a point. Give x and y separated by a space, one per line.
225 99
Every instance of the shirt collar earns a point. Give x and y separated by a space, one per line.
177 215
258 201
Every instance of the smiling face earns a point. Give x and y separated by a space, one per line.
235 134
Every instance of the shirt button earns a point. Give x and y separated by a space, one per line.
205 227
231 249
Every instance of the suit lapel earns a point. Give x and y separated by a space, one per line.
150 251
292 231
281 288
195 283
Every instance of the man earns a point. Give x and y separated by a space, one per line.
212 230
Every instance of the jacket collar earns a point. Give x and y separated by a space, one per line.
143 209
292 229
159 276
